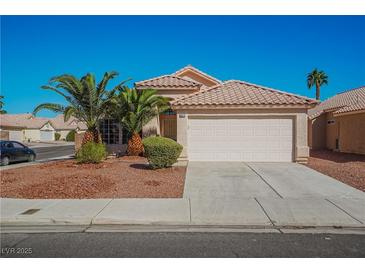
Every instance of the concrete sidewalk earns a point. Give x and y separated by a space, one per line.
268 212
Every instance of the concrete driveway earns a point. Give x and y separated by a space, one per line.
270 194
262 180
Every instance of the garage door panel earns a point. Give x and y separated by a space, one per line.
253 139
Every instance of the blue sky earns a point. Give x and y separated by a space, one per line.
275 51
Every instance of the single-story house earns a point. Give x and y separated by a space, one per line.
338 123
225 121
27 128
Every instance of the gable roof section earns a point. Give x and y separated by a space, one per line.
59 123
197 71
28 121
235 93
166 82
22 121
345 102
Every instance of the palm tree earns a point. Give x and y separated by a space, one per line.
317 78
86 101
134 109
2 111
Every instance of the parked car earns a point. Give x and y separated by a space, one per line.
12 151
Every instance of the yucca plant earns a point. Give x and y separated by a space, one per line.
135 108
86 100
317 78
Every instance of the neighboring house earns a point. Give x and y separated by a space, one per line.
26 127
63 128
339 123
232 120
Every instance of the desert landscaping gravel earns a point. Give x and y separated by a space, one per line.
345 167
126 177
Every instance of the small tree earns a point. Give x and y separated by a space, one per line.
2 111
86 100
317 78
134 109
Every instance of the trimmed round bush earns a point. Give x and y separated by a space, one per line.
91 153
161 152
57 136
70 137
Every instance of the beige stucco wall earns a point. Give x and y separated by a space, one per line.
299 116
352 133
317 132
348 129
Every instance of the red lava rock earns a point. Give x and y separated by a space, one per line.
125 177
345 167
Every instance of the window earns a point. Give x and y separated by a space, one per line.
109 130
17 145
125 136
330 122
169 112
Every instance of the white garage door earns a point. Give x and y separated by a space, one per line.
47 135
240 139
16 135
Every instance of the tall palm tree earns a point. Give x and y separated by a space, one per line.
134 109
2 111
317 78
86 100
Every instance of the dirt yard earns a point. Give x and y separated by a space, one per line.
124 177
345 167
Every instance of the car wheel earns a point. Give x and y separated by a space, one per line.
5 161
31 158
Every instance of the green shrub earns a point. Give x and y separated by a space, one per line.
161 152
70 137
57 136
91 153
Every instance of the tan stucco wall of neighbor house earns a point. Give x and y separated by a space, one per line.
4 135
352 133
299 116
349 129
317 132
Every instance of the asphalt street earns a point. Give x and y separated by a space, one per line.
188 245
49 152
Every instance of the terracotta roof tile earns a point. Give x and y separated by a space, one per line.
351 100
29 121
236 92
167 81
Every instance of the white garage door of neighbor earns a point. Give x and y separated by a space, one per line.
16 135
240 139
47 135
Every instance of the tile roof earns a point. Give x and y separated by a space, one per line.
190 67
30 122
351 100
236 92
167 81
59 123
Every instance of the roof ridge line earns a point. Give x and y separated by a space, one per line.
350 90
167 75
274 90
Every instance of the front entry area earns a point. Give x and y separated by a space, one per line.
251 139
